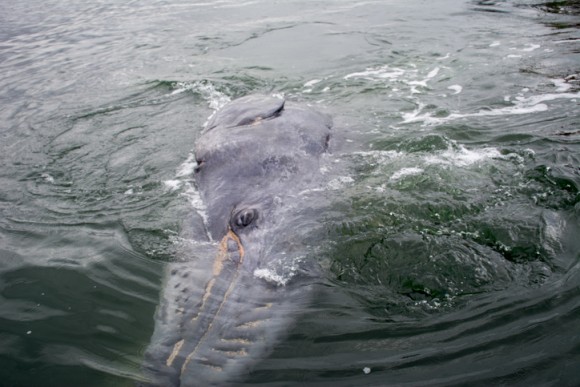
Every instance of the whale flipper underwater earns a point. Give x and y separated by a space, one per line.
254 158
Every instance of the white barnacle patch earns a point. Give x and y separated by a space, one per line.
173 355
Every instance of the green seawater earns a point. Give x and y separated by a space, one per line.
449 252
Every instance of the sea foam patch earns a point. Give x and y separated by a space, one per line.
461 156
561 85
531 47
432 74
183 180
456 89
378 73
271 276
172 185
404 172
280 271
214 98
183 173
521 105
409 79
308 86
187 167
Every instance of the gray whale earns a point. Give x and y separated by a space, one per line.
216 319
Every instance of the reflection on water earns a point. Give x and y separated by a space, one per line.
451 199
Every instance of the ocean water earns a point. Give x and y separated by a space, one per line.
449 252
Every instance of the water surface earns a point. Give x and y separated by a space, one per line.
451 214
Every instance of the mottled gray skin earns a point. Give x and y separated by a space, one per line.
216 319
247 158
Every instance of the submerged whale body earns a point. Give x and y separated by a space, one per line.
254 158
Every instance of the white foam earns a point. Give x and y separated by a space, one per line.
495 44
312 82
522 105
549 97
566 41
271 277
423 83
415 115
215 98
561 85
456 89
374 73
172 185
47 177
416 81
187 167
278 95
184 180
531 47
194 198
462 157
339 182
308 85
192 194
183 174
433 73
403 172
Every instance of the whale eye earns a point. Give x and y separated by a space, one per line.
244 218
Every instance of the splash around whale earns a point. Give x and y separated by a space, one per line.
219 316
